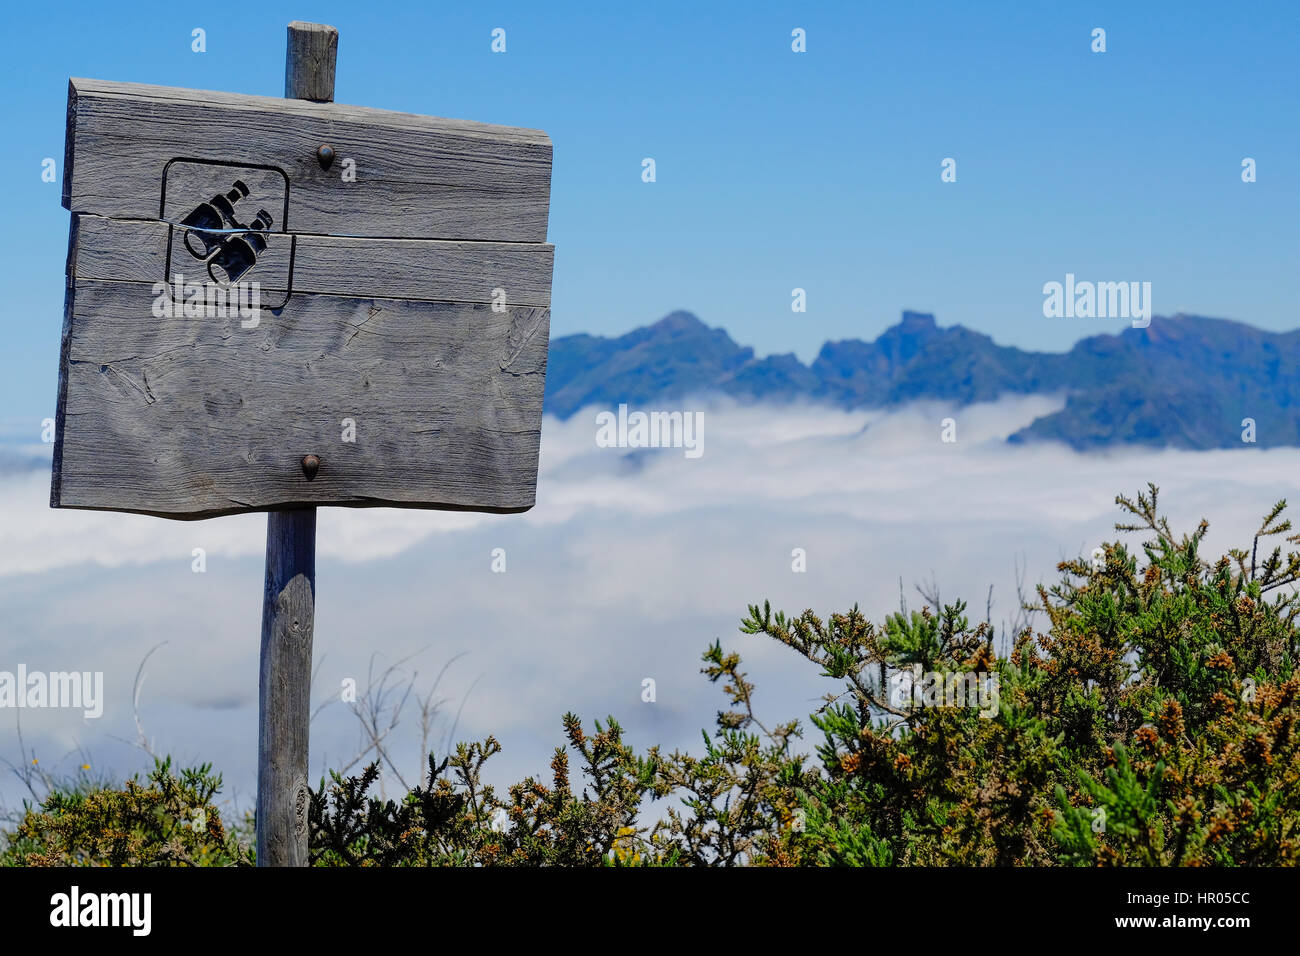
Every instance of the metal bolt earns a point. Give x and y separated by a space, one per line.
310 465
325 155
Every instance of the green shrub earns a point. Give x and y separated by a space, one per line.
167 821
1151 724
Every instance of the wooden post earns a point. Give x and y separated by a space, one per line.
289 597
309 62
284 687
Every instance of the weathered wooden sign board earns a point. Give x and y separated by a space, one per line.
404 283
278 304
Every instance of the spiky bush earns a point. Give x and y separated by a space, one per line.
1150 723
168 820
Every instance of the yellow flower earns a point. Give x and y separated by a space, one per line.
622 841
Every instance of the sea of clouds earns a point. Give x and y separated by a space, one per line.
630 565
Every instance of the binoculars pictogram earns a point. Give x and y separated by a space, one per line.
214 235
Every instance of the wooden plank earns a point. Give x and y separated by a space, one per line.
416 176
424 269
65 340
194 418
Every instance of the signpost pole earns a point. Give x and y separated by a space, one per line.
289 597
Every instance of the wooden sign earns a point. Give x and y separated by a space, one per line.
278 303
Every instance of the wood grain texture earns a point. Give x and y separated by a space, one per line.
289 594
198 417
432 270
416 176
311 52
284 687
65 340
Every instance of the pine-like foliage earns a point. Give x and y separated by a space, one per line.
1150 723
168 820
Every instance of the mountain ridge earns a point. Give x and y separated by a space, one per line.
1184 381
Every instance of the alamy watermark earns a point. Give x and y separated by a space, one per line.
913 687
208 300
75 908
84 689
651 430
1098 300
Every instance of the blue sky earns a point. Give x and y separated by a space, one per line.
775 170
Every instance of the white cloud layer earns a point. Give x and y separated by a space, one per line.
630 565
